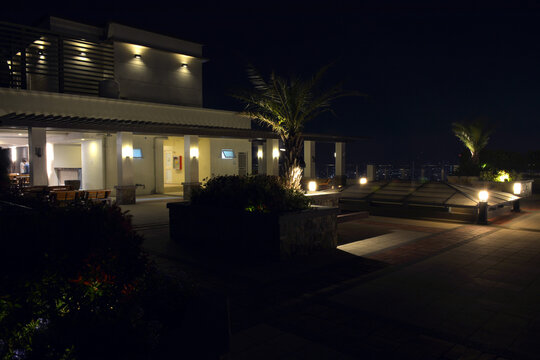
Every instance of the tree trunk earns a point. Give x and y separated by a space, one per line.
291 163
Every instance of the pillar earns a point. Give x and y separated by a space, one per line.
191 169
159 166
37 143
340 164
261 158
125 190
309 160
92 164
371 173
271 154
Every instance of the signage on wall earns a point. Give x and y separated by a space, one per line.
177 162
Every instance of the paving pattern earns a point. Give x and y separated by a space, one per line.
405 289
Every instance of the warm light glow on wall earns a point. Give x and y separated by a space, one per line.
275 153
483 196
49 151
13 154
194 152
363 181
517 188
312 186
259 154
93 148
127 151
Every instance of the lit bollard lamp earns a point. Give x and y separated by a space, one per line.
483 207
517 192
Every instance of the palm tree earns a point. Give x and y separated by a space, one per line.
285 106
474 136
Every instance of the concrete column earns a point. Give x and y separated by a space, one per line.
37 143
109 149
191 170
309 159
158 165
340 159
370 173
261 159
92 164
125 190
272 157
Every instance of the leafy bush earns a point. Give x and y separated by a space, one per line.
76 285
260 193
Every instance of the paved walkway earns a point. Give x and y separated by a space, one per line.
395 288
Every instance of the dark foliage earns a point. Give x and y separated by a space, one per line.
260 193
75 284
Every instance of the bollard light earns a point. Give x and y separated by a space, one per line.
312 186
517 188
363 181
483 196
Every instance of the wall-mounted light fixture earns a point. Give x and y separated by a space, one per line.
194 152
137 56
259 154
127 151
275 153
184 66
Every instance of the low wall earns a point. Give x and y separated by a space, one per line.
474 181
252 236
325 199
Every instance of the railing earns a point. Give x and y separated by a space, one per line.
36 59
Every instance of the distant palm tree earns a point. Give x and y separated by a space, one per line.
474 136
286 105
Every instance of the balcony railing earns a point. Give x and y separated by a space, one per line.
36 59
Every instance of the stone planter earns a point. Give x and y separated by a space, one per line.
244 235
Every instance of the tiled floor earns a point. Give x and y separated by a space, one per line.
407 289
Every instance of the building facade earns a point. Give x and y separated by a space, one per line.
121 108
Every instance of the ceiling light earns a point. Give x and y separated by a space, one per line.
184 65
137 56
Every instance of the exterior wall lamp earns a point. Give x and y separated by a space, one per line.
137 56
184 66
194 152
275 153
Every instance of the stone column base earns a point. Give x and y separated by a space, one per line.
125 194
188 188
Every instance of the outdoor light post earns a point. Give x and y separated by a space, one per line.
515 203
483 207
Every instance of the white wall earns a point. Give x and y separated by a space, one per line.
157 75
65 156
221 166
92 160
143 169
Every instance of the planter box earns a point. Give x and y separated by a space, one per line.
244 235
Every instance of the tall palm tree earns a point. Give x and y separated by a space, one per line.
474 136
285 106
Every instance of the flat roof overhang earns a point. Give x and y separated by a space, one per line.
56 122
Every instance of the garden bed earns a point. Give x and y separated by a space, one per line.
237 234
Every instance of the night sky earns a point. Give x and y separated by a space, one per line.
422 65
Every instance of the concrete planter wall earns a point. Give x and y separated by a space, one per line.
474 181
240 234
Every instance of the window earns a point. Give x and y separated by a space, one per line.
137 153
227 154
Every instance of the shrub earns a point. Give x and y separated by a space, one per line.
76 285
260 193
